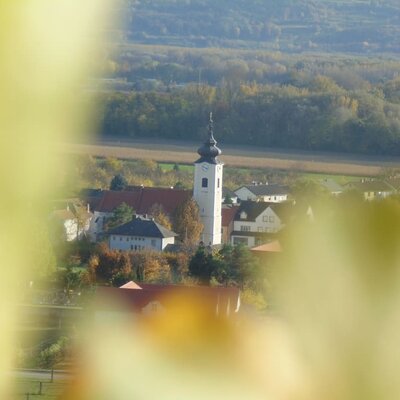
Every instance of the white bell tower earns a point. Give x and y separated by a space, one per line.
207 190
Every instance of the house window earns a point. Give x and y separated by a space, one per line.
131 246
120 238
154 307
245 228
272 219
153 242
113 237
204 183
260 229
265 218
243 215
135 247
127 239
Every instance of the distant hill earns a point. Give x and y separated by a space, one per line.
357 26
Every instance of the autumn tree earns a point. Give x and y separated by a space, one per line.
106 265
159 215
187 222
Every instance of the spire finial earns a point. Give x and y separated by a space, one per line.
211 129
209 151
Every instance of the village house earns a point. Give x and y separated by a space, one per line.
271 193
256 223
140 234
332 186
74 218
140 199
372 189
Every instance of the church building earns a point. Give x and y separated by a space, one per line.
207 190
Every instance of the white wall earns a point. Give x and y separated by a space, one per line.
132 243
245 194
71 229
209 200
97 224
267 222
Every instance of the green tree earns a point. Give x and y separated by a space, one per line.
201 265
121 215
118 182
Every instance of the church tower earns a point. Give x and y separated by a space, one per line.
208 188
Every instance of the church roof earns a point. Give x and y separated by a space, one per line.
209 151
142 227
141 199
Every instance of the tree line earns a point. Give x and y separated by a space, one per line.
309 114
288 25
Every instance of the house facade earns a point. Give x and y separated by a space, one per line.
256 222
373 189
271 193
75 220
140 234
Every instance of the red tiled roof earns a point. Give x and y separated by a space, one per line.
271 247
168 198
130 285
141 199
228 214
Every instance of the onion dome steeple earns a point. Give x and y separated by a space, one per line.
209 151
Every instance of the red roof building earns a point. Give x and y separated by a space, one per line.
141 199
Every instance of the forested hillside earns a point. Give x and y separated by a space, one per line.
275 73
362 26
323 117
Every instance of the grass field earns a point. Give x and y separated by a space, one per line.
185 153
316 176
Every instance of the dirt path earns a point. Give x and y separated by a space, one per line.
184 152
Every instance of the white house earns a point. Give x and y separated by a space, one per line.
256 222
140 199
140 234
207 191
75 220
373 189
272 193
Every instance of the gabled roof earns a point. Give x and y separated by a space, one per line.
228 192
254 208
142 227
131 285
271 247
267 190
331 185
374 185
141 199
